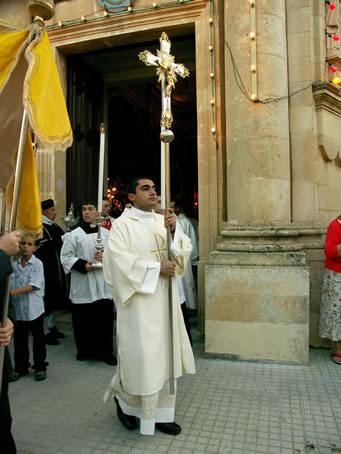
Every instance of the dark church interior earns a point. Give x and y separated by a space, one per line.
116 82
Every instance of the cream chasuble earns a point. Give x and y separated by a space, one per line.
136 245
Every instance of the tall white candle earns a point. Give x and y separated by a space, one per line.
101 169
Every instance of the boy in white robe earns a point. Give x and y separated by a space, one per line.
92 305
136 268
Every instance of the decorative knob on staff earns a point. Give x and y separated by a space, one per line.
70 220
167 71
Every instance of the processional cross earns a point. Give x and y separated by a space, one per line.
167 70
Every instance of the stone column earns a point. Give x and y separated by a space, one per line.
258 161
302 113
315 129
15 12
51 177
257 280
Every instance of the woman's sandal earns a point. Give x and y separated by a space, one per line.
336 358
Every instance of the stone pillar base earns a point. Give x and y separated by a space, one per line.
257 294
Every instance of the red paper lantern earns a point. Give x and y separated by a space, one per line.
336 37
333 69
332 6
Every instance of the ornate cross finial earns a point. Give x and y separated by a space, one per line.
167 70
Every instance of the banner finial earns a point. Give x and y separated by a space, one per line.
41 8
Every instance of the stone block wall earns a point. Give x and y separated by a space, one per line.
258 312
262 292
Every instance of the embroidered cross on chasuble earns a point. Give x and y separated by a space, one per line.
161 251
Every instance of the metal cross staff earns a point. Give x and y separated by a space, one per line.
167 71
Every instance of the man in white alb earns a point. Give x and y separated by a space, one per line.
137 270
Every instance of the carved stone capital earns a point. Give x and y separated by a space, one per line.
327 97
328 107
288 240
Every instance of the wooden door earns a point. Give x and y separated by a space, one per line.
85 104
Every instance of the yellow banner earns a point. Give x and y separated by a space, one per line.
12 44
44 98
29 209
29 79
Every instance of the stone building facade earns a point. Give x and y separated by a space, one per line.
268 150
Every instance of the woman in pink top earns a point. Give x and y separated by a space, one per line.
330 315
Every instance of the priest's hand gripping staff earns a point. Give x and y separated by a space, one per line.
167 71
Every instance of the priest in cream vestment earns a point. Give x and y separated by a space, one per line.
137 270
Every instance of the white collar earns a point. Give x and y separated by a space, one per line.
47 220
31 260
140 214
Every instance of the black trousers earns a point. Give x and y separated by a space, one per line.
21 351
186 320
93 328
7 445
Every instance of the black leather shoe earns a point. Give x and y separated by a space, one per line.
15 376
56 333
40 375
170 428
51 340
129 422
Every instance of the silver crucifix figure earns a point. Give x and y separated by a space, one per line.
167 71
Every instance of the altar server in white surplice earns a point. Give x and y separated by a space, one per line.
92 305
136 267
188 227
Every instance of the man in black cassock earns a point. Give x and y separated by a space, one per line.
55 281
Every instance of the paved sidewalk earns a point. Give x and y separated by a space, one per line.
227 407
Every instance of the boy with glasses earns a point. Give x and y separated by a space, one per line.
28 305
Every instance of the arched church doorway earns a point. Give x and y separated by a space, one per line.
115 87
